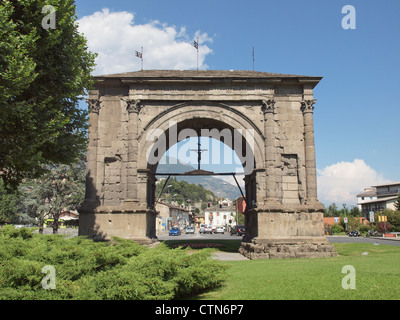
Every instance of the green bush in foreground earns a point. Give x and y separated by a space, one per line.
115 270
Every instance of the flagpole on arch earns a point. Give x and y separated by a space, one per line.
196 45
253 58
140 55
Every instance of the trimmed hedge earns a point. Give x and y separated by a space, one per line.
115 270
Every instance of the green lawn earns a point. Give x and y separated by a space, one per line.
377 276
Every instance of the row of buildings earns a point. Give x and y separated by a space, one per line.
224 214
373 199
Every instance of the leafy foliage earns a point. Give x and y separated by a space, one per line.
334 211
182 191
115 270
397 203
8 205
61 188
43 74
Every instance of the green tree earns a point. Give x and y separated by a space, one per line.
63 188
355 212
353 223
8 206
332 211
43 75
393 218
184 192
397 203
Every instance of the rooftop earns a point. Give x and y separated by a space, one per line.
222 209
387 184
203 74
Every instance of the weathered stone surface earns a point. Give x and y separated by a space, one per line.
129 112
288 248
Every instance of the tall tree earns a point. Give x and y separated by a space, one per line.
397 203
62 188
43 74
9 203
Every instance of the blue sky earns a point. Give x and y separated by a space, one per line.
357 114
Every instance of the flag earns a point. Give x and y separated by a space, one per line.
196 44
139 54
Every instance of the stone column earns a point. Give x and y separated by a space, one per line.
133 108
307 106
91 156
268 108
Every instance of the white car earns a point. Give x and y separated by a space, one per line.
208 229
220 230
189 230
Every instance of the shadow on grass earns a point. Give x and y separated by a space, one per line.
220 245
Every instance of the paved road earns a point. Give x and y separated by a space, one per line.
331 239
344 239
227 236
198 236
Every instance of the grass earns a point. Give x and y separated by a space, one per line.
87 270
377 277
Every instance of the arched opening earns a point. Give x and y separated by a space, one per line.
211 148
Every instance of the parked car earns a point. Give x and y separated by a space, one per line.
208 229
239 230
202 227
189 230
219 230
175 231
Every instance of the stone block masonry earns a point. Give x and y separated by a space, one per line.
130 113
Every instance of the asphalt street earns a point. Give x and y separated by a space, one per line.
197 236
331 239
372 240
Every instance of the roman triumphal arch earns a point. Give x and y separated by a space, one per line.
266 118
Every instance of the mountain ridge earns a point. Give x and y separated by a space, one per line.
218 186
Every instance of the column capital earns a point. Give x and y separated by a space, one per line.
268 106
94 105
308 105
133 105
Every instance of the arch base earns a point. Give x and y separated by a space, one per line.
285 235
104 224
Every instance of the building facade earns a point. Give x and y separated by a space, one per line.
378 198
170 215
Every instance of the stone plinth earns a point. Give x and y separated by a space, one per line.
284 235
107 223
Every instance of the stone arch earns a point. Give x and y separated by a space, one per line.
286 220
192 111
205 118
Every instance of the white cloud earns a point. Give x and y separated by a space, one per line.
115 37
341 182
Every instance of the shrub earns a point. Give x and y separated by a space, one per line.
118 269
336 228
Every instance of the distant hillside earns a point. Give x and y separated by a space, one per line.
218 186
